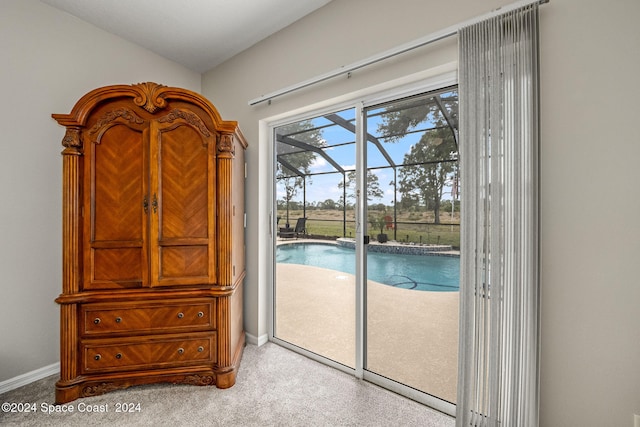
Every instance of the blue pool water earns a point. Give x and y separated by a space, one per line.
420 272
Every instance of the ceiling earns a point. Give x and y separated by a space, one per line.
198 34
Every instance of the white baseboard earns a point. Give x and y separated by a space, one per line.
252 339
29 377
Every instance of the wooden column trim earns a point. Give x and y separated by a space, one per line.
224 334
71 241
225 208
71 210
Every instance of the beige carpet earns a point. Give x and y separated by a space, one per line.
412 336
275 387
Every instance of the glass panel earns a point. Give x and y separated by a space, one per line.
413 258
314 290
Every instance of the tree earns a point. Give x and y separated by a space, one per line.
373 186
430 161
425 173
327 204
294 162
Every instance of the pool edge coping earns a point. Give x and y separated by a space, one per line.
388 247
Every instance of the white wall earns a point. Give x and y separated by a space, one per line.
49 60
590 212
590 238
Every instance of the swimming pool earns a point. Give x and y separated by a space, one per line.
419 272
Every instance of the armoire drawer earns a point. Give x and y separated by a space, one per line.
149 317
151 353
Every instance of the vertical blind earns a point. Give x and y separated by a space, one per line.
499 133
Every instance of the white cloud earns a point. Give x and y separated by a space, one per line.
318 164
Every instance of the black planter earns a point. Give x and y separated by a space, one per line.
382 238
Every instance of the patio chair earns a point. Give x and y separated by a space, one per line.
300 229
388 222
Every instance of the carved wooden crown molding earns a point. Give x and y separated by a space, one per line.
118 115
124 113
225 144
72 138
151 97
188 117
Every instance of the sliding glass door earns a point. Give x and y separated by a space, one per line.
412 258
314 286
366 241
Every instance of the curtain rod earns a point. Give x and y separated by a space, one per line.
423 41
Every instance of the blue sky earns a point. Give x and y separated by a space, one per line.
342 150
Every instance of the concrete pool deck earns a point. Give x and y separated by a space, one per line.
412 336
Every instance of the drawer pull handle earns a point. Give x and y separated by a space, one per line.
118 319
119 356
96 320
180 350
180 315
200 349
97 357
200 314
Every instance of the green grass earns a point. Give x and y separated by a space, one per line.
329 224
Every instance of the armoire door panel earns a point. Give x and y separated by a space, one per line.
183 197
182 173
116 267
116 223
118 185
184 263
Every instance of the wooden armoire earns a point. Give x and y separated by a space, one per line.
153 241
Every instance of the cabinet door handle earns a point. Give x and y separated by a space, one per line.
180 350
154 203
97 357
145 204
